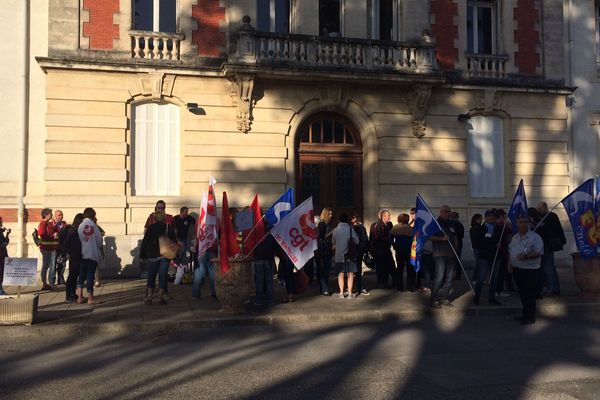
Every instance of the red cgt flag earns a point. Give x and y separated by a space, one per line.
228 242
258 231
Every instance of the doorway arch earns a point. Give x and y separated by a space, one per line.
329 163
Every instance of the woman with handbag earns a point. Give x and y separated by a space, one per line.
159 247
345 245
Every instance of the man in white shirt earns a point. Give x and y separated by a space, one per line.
526 249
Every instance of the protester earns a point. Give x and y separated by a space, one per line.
160 206
184 225
205 266
402 235
363 243
286 267
526 249
263 264
412 216
381 241
345 243
476 221
4 241
48 246
150 252
72 249
444 259
60 227
485 240
505 279
460 236
551 231
325 249
91 255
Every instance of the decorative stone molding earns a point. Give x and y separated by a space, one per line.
488 100
242 90
420 104
157 85
336 97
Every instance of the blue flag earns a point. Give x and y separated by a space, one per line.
579 205
282 207
518 206
425 225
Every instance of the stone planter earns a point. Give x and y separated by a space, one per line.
18 311
236 286
587 274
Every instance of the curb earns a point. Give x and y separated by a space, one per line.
184 326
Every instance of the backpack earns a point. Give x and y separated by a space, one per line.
36 237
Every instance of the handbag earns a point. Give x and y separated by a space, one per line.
369 260
353 248
166 247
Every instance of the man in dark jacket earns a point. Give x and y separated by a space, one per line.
4 240
363 242
486 239
551 231
381 242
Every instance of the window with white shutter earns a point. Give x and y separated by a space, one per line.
485 138
155 142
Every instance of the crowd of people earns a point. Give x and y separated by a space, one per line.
505 256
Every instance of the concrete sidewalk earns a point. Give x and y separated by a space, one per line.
120 309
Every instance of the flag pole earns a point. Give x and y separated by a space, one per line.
451 246
259 242
497 248
252 230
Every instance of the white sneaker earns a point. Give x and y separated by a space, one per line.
341 295
364 293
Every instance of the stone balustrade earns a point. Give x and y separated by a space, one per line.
263 48
486 65
155 45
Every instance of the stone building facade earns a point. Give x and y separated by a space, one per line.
361 104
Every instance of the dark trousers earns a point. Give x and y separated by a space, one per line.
384 265
425 274
483 269
60 271
402 263
287 269
324 272
86 274
527 284
309 270
358 275
444 270
74 267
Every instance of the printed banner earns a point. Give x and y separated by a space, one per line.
579 205
297 234
20 271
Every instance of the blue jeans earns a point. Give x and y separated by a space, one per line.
482 268
158 267
48 266
204 264
263 276
86 274
549 274
325 272
442 277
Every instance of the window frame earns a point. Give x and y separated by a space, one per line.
140 147
597 33
493 5
155 16
340 22
273 6
501 153
374 19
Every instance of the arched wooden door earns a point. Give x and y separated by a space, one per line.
329 165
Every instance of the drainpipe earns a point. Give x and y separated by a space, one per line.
24 133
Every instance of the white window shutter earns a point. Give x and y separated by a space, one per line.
486 157
156 150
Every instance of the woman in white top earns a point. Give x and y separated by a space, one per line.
345 244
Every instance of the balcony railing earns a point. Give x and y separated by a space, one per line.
486 65
316 52
156 45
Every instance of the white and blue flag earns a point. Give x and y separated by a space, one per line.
518 208
282 207
579 205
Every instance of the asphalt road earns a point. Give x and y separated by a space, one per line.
428 358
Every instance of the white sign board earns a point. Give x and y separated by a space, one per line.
20 271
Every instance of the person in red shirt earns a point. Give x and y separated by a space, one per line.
160 206
48 247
